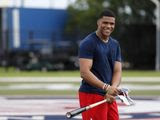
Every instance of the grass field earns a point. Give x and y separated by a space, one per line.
11 72
5 87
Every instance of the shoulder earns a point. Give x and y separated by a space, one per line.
88 40
86 48
114 41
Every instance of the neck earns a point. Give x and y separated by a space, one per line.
101 37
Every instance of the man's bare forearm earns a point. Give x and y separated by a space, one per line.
91 79
116 79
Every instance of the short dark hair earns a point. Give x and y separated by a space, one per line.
108 13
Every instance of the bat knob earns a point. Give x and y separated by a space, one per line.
68 115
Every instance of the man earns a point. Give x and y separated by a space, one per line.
100 69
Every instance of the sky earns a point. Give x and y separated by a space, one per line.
61 4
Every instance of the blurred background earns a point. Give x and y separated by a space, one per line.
44 35
39 42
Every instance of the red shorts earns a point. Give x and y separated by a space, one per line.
104 111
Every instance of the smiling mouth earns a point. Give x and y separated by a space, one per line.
107 31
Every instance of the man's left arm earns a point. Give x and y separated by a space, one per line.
117 72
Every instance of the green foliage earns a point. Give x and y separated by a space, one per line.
83 16
135 27
133 11
83 13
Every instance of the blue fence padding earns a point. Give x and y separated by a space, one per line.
38 25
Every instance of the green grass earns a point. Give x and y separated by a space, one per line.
12 72
3 84
140 73
141 83
38 92
70 92
34 83
145 93
45 92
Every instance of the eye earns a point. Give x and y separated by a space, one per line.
112 23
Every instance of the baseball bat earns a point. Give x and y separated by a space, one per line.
80 110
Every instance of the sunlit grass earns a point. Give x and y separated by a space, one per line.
140 73
145 93
12 72
38 92
70 92
45 92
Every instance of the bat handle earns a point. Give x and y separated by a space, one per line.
80 110
75 112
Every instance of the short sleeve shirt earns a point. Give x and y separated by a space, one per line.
104 56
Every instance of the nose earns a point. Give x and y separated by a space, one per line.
108 25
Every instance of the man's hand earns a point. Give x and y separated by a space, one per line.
109 98
113 91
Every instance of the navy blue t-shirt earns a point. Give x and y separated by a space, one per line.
103 55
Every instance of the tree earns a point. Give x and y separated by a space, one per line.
83 13
134 26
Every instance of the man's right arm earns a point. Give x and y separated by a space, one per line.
90 78
87 75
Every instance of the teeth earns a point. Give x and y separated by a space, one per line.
107 30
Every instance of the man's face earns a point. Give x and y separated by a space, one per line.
106 25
